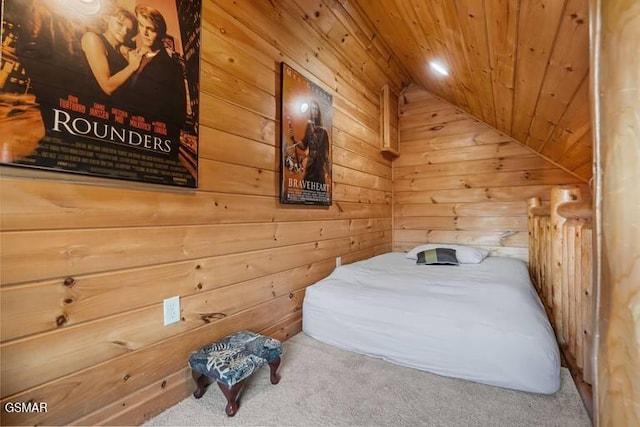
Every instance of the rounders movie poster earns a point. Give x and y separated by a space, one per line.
102 87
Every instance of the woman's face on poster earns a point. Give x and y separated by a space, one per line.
120 27
148 32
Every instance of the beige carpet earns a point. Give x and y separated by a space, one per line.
325 386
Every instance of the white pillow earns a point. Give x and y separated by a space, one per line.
465 254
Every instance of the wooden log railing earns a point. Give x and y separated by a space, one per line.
560 264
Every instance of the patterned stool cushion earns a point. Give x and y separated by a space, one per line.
235 357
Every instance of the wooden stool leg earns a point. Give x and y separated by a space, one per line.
273 366
202 381
232 393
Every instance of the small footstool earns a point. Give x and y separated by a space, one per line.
231 361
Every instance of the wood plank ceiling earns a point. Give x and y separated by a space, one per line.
521 66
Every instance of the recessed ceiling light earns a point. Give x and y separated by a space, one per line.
439 68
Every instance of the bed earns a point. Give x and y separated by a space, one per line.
480 322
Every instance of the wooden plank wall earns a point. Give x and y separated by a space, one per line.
86 262
459 180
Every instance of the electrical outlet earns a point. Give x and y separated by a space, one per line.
338 261
171 310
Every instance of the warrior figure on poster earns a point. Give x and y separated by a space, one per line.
313 147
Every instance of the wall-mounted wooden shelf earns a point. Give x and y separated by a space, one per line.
389 122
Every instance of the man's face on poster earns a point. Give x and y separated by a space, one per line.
148 32
315 111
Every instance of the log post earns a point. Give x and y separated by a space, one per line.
587 302
559 195
615 68
534 242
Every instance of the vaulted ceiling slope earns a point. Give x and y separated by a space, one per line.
521 66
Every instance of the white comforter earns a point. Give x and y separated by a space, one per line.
479 322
